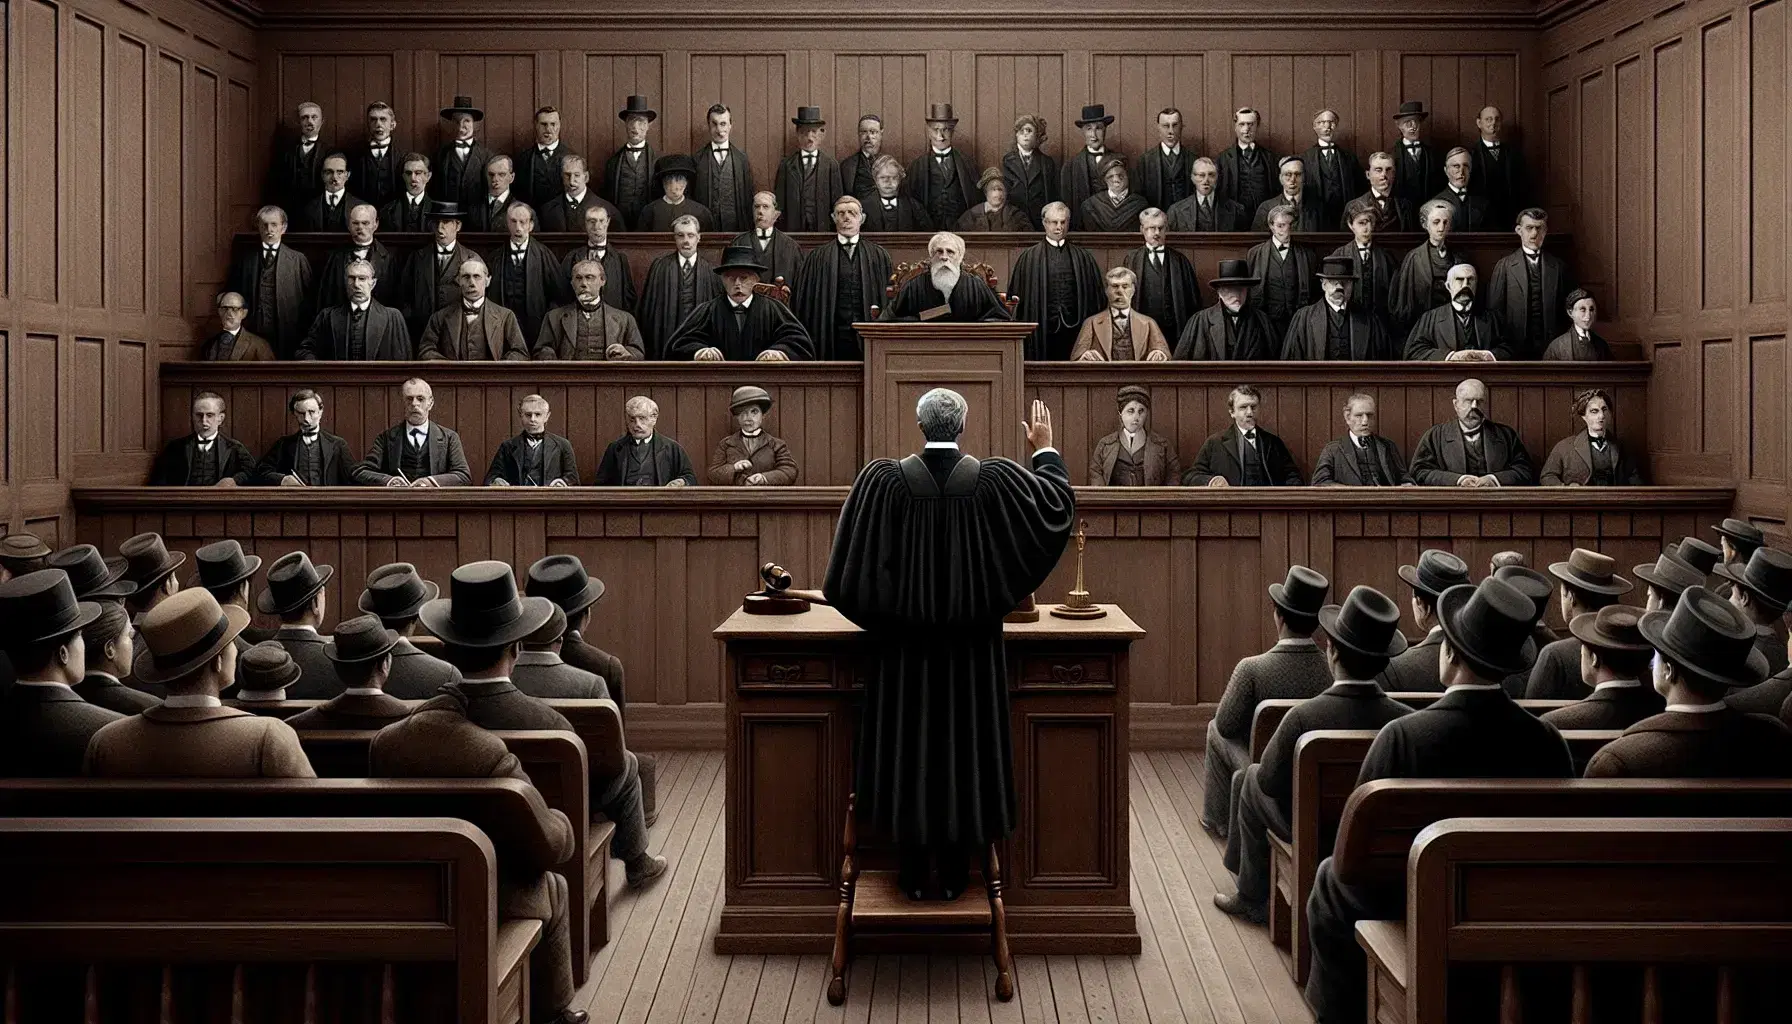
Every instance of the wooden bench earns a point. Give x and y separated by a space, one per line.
1269 714
255 919
1574 917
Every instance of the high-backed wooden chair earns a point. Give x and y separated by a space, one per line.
776 288
906 272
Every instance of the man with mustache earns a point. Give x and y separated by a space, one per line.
1458 332
1474 451
946 293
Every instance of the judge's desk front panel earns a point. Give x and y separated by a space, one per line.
794 689
1189 565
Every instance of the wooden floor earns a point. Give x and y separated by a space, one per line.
1198 965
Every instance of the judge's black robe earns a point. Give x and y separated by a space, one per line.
319 215
1437 333
558 213
769 325
538 179
1346 177
1028 283
816 215
612 184
855 175
332 286
781 256
817 292
1079 181
426 289
1373 290
1206 336
658 215
1262 182
739 217
1472 212
1415 288
619 283
1162 179
930 554
540 285
1309 213
1182 298
972 301
294 176
292 295
1032 183
908 215
1099 212
657 315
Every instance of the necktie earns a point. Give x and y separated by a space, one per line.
268 252
1281 252
463 145
546 153
1157 256
721 154
598 255
516 255
307 147
442 257
355 313
205 446
1119 320
1471 438
765 239
332 200
378 152
1598 444
417 435
808 162
307 438
1251 435
941 157
1363 254
470 311
852 248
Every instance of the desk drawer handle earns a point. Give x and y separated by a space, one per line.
1068 674
785 673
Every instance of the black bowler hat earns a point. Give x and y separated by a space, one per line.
1706 636
1234 272
1368 623
483 609
808 117
1302 593
1669 574
1531 583
1411 108
292 582
395 592
41 606
439 210
222 566
1744 535
740 257
463 105
1591 572
1698 554
148 560
1094 113
1436 572
1487 625
562 579
266 666
637 107
1767 576
362 638
93 577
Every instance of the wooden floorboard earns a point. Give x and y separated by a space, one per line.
1198 966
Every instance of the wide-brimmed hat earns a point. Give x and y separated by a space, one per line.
1411 108
1368 623
23 552
1094 113
1612 628
676 163
439 210
463 105
222 565
1767 576
396 591
292 582
551 630
940 112
183 633
1531 584
1133 393
1741 532
740 257
1487 625
148 560
1337 268
266 666
1706 636
362 638
1698 554
1591 572
1234 272
483 609
41 606
1302 592
94 577
991 176
749 394
637 106
562 579
808 117
1668 573
1436 572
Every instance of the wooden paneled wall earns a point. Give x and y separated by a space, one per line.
1665 125
1189 565
125 128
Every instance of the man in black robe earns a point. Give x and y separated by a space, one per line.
1247 171
565 209
1392 212
1332 171
409 210
1332 328
1291 171
1419 283
1059 285
1525 292
376 166
525 274
738 324
432 274
628 173
672 176
1162 172
1460 330
1168 291
359 326
490 212
619 282
1418 168
931 552
1233 327
1204 210
363 222
946 293
777 250
1029 172
677 283
294 172
855 170
808 180
276 280
943 180
1244 454
1498 171
207 457
1471 209
1116 207
1375 266
1288 272
460 163
1083 174
889 207
839 283
534 457
328 211
722 181
538 167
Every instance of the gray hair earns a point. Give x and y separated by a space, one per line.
352 264
642 403
940 413
946 236
686 219
1055 207
1284 210
1123 274
1432 206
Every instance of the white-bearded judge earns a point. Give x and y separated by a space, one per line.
946 292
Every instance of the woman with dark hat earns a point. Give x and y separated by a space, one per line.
1592 457
750 457
672 176
738 324
1134 456
44 725
994 213
1614 658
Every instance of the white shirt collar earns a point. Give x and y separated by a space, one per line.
192 700
424 426
1360 442
1336 309
360 307
1295 643
1435 631
1475 686
640 440
1056 243
45 683
202 439
1168 149
1118 196
480 304
943 152
1618 684
576 199
746 303
550 147
1697 709
334 197
299 625
1528 251
263 695
538 658
362 691
685 261
854 240
940 444
500 197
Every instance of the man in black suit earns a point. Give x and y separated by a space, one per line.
1233 327
1761 589
1169 292
329 211
1084 173
1372 264
1204 209
1474 451
44 724
628 173
474 328
310 456
1416 671
108 642
395 592
1243 455
409 210
808 180
1332 170
619 282
721 175
492 211
525 273
432 274
1614 661
232 343
1587 583
417 452
1498 171
643 457
206 457
565 210
534 457
460 163
360 327
293 174
538 168
296 593
855 170
943 180
739 324
1362 457
541 672
1288 270
563 580
1393 212
945 292
1363 634
1162 172
363 222
376 166
1527 290
1473 731
1418 170
223 569
1332 328
1291 171
779 252
276 280
1247 170
1471 210
1460 331
839 282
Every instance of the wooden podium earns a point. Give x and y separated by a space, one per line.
794 685
982 362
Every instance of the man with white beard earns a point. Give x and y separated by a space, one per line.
945 292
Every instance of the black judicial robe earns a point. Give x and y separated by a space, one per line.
1411 294
1501 179
1417 177
1183 294
460 181
380 179
1029 283
703 188
850 169
781 256
1099 212
1206 337
1374 278
972 301
619 283
818 288
332 288
769 325
1349 175
1032 184
1307 334
908 215
930 553
788 186
426 289
294 176
1079 181
920 182
540 285
657 315
658 215
402 215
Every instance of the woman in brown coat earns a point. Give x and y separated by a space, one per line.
1133 456
750 457
1593 457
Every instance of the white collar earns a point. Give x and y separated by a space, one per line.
1290 200
943 152
45 683
1295 643
1490 143
854 240
550 147
1474 686
808 154
1582 335
261 695
1322 144
477 306
1117 196
1697 709
1095 150
424 426
309 142
1360 442
516 246
940 444
360 307
603 246
500 197
1246 147
334 197
686 261
192 700
1532 253
746 303
640 440
1435 631
539 658
669 201
1117 311
757 433
490 679
1336 309
1379 195
1170 150
1056 243
718 147
534 440
362 691
1618 684
575 200
417 200
1356 682
1131 433
1204 197
463 143
234 333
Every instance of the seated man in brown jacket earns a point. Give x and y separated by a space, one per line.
361 648
1120 332
439 742
749 456
589 328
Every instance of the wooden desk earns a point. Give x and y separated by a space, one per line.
793 693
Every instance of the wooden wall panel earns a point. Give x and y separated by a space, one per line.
127 175
40 410
503 85
90 402
344 84
1719 124
1768 77
1767 434
1455 86
891 85
610 79
87 128
40 176
751 85
6 175
167 156
1137 86
1671 125
1287 89
1005 85
1626 280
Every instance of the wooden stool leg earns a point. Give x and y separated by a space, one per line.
849 876
999 928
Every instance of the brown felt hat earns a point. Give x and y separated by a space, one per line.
183 633
1612 628
1592 572
148 560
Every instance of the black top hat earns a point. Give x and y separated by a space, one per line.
1746 536
439 210
808 117
1411 108
1767 576
677 163
1234 272
483 609
93 577
362 638
940 112
551 630
1094 113
1669 574
1698 554
740 257
562 580
222 565
396 591
1531 584
1133 393
749 394
1302 593
1487 625
148 560
41 606
1612 628
1337 268
266 666
1591 572
1436 572
1368 622
1706 636
292 581
463 105
637 107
